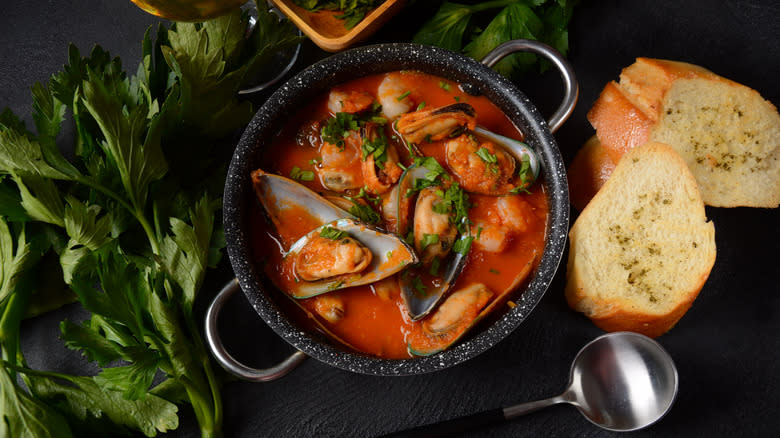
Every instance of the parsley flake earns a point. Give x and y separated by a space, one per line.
428 240
419 286
332 233
337 128
301 175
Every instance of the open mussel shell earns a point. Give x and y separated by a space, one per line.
419 304
516 148
279 195
389 256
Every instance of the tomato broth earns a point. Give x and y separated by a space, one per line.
375 320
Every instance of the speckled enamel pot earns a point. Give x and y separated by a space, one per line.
342 67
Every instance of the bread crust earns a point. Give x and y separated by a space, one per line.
588 172
615 312
636 110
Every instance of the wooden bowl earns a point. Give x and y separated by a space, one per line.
328 32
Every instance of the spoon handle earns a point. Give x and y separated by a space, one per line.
450 427
453 426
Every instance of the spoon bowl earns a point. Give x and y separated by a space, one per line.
622 381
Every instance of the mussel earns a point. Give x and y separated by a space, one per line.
433 124
498 166
350 253
420 298
360 255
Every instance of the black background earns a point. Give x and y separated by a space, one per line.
726 347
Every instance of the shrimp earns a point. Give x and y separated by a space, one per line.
480 167
329 307
340 169
490 237
513 216
379 177
393 96
340 101
515 213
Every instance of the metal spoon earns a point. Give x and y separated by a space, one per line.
620 381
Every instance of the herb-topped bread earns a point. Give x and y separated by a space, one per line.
728 135
642 249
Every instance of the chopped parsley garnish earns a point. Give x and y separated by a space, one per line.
403 96
457 98
455 201
376 147
433 166
494 271
479 232
337 128
525 175
421 106
463 245
332 233
418 286
486 156
364 212
435 170
427 240
444 86
301 175
363 193
435 267
315 161
409 238
389 255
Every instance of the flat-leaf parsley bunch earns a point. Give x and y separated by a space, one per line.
128 225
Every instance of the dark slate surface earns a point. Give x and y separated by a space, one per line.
726 347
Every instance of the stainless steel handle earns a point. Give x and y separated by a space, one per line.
571 88
227 361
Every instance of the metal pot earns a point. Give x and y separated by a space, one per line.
340 68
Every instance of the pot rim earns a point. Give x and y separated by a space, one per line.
368 60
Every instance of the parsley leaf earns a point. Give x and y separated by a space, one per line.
427 240
337 128
486 156
301 175
376 147
332 233
463 245
364 212
24 416
419 286
351 11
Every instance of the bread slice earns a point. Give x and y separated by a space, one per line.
642 249
589 170
728 135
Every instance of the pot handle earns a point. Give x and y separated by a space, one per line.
571 90
227 361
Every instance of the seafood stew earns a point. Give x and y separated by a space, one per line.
396 155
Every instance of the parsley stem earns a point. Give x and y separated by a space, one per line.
139 216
